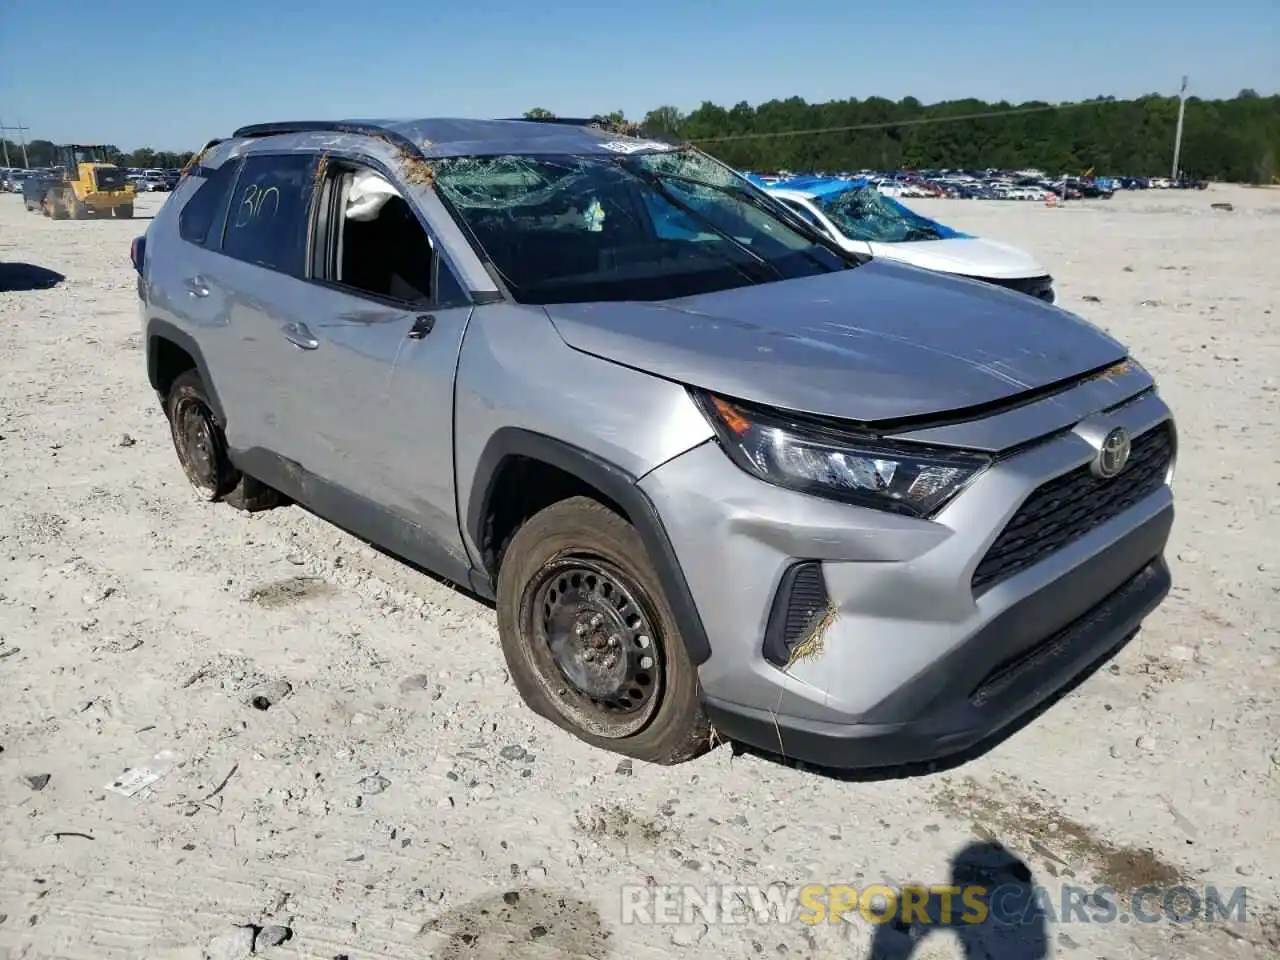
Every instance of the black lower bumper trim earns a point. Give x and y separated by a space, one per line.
1018 691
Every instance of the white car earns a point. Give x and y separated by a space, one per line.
862 219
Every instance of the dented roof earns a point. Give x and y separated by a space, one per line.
459 137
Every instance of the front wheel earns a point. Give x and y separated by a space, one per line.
590 639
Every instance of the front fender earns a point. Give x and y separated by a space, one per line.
616 484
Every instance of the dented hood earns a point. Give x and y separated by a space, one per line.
878 342
967 256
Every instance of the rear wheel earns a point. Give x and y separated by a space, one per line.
53 207
124 211
590 639
201 446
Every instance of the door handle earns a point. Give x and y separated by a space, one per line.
300 336
196 287
422 325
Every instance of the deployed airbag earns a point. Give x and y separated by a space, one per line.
368 194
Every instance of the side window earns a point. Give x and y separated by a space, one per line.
449 292
371 242
200 221
268 216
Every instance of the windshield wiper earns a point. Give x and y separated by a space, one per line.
655 181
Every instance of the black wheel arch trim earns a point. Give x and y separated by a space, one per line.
616 484
164 330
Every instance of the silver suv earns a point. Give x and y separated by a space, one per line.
721 479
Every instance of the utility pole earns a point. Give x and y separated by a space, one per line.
4 141
1177 138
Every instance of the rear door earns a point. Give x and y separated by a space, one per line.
187 283
262 269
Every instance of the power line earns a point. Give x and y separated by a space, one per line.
918 121
4 141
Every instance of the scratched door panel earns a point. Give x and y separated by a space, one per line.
264 245
419 483
347 416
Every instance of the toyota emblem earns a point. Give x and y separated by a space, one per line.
1113 454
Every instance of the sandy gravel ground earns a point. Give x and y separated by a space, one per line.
397 800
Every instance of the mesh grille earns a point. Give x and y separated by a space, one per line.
110 178
800 604
1067 507
807 602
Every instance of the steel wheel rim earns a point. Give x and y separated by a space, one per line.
198 445
594 645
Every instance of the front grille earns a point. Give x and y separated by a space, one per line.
1061 645
110 178
1039 287
1067 507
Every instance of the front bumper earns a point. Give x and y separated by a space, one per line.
1038 287
919 662
967 713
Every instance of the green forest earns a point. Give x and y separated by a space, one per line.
40 153
1236 140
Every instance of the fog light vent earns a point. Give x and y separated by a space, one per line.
799 605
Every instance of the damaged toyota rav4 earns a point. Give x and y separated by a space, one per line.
722 479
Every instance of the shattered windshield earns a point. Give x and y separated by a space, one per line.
641 226
863 213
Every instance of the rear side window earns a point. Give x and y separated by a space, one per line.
200 221
268 216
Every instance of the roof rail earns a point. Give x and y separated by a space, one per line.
330 126
193 162
602 123
564 121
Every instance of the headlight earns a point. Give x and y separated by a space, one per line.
839 465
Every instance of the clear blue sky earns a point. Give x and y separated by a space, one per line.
172 75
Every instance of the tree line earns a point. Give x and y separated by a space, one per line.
1236 140
41 153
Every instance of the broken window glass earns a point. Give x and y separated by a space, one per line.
638 226
863 213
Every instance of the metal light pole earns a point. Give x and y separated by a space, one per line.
1177 137
4 141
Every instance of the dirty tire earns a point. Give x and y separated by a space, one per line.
53 207
674 727
124 211
252 495
201 447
